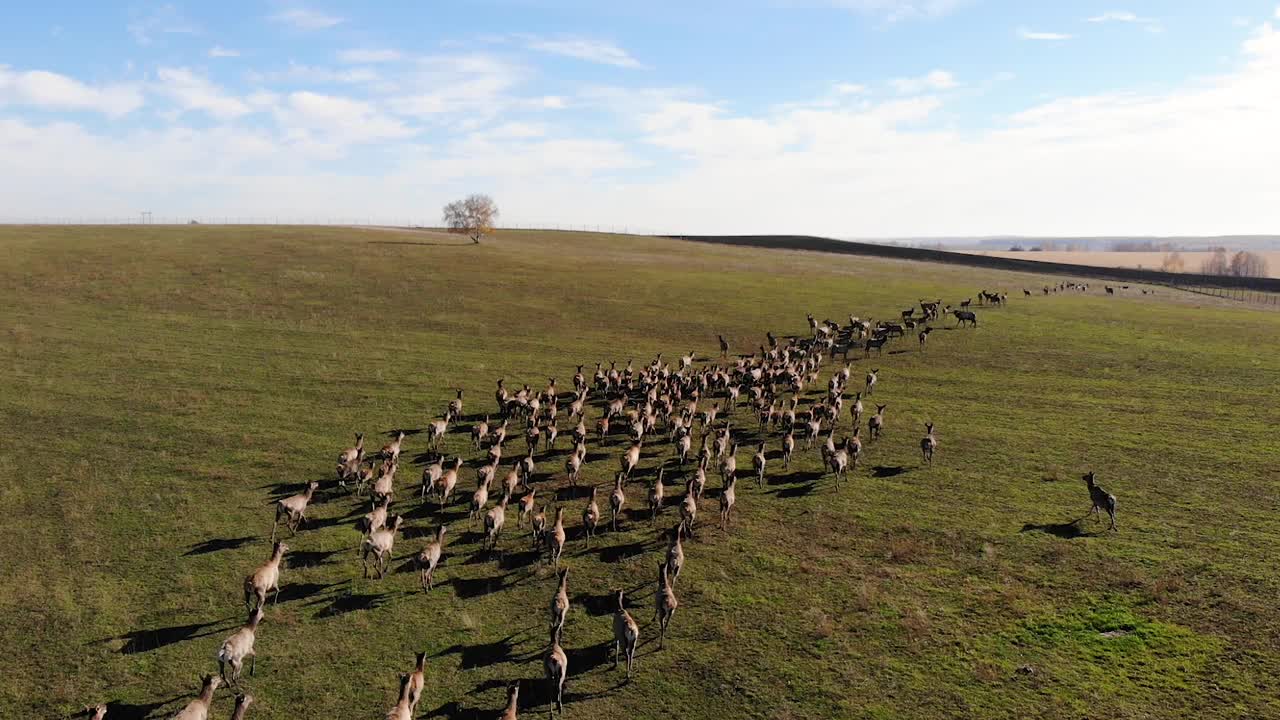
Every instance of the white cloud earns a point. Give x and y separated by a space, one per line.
1026 34
51 91
340 120
217 51
596 51
193 92
897 10
1124 16
163 19
366 56
304 19
849 89
299 73
474 85
935 80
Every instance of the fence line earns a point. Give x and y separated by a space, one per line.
366 221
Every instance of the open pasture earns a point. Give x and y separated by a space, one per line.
162 387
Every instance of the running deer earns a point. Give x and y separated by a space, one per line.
727 498
873 377
1101 499
480 432
689 509
402 711
556 547
417 678
239 647
924 337
429 558
657 493
198 709
724 347
665 603
379 544
855 410
265 579
556 665
294 510
590 516
526 508
494 520
625 635
391 451
928 444
757 463
353 454
454 414
560 606
243 701
876 423
839 462
675 553
617 499
788 447
513 702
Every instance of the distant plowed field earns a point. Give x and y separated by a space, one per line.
1140 260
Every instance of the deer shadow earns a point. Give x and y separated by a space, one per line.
796 491
310 558
141 641
301 591
455 711
128 711
618 553
483 654
217 544
468 588
1065 531
887 471
351 602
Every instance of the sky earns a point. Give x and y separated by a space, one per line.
851 118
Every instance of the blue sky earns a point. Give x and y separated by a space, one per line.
871 118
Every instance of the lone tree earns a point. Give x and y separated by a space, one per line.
473 216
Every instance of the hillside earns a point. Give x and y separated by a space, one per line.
162 386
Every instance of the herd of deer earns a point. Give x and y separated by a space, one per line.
651 404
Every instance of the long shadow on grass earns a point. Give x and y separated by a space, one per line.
1066 531
217 544
301 591
455 711
484 654
140 641
310 558
887 471
126 711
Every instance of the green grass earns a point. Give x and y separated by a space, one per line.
160 386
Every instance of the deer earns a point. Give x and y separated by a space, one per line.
513 702
630 460
417 678
429 558
724 347
402 710
480 432
294 510
448 481
198 709
265 579
727 498
876 423
353 454
689 509
479 499
675 552
617 499
239 646
855 410
665 602
538 527
928 444
874 343
757 464
873 377
625 635
431 475
788 447
243 701
454 413
657 493
965 316
391 451
839 462
376 517
436 430
556 665
590 517
682 446
494 520
526 508
560 605
1100 499
379 544
924 337
556 547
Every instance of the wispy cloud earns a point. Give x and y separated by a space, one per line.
217 51
305 19
935 80
596 51
194 92
1124 16
364 56
849 88
898 10
1026 34
48 90
164 19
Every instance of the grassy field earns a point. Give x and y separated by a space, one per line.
160 386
